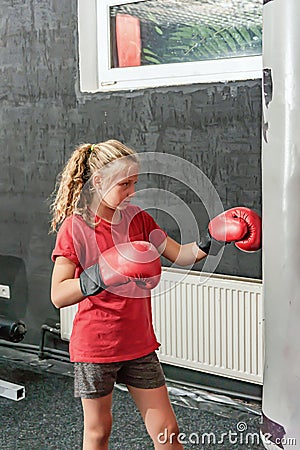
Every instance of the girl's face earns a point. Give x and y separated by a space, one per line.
120 194
118 190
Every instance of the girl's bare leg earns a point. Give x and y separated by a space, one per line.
97 422
158 415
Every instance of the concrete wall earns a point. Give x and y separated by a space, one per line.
43 116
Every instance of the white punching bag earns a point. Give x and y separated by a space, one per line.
280 427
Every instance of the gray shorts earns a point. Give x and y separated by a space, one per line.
92 380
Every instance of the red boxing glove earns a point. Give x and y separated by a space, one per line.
240 225
137 261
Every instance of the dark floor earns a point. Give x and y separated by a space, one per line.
49 418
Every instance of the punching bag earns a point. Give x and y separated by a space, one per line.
280 428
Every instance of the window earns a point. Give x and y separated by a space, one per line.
169 42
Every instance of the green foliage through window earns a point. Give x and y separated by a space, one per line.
174 31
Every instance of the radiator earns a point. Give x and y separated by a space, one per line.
210 324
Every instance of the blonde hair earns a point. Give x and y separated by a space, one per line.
69 194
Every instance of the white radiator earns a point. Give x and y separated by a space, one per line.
211 324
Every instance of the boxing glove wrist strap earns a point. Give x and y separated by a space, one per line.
91 282
209 245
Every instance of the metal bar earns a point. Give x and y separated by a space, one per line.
11 390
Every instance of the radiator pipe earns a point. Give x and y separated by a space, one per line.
46 329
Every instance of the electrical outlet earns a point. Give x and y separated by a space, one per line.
4 291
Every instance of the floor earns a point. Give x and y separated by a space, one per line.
50 418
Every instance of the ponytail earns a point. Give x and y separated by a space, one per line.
70 184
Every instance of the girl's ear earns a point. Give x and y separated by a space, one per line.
97 181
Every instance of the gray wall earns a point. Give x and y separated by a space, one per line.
43 116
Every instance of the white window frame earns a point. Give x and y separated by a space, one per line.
97 75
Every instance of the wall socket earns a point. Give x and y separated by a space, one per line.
4 291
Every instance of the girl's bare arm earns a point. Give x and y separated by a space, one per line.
65 290
182 255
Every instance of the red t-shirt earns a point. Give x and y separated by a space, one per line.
115 325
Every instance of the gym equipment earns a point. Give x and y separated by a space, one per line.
13 331
281 225
13 304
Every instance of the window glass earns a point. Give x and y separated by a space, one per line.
156 32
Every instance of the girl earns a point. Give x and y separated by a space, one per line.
112 338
